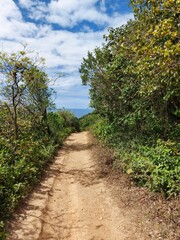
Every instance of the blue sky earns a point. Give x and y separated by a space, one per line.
62 31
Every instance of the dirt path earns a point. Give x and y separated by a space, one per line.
74 203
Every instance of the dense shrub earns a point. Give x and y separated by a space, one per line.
21 167
30 135
135 90
155 165
88 121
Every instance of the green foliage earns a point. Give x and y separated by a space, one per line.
29 134
135 89
61 124
69 119
3 233
103 130
20 167
87 121
157 167
24 91
134 78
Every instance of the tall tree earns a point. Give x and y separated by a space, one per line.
134 76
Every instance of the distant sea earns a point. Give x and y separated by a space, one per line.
77 112
80 112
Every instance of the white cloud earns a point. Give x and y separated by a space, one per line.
103 6
70 13
38 11
13 25
120 19
62 48
72 102
26 3
8 9
35 9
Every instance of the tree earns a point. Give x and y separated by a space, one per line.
157 54
134 76
24 89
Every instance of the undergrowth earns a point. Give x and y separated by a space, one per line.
22 161
153 164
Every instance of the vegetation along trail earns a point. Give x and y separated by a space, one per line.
75 202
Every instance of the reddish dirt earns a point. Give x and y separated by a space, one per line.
75 202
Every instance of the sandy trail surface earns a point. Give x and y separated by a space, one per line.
74 203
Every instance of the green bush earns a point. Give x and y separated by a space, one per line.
22 161
157 167
87 121
154 164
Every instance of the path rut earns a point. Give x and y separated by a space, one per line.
73 202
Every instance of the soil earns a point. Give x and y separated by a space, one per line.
80 200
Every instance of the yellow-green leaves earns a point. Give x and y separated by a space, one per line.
138 68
